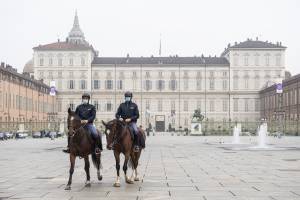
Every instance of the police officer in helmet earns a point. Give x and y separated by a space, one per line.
129 112
87 114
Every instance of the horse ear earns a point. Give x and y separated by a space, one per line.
103 123
69 110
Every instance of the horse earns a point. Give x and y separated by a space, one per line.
81 144
119 139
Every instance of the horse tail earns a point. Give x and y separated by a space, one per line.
130 162
96 160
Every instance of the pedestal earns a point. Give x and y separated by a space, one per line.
196 128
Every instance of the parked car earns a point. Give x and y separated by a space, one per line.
37 134
9 135
59 134
22 134
2 136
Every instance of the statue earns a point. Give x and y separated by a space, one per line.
198 116
196 122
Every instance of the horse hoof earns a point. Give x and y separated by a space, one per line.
129 181
100 178
136 179
117 184
68 187
88 184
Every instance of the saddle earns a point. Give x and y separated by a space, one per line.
140 136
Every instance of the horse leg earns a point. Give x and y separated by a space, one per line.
87 171
98 167
117 158
135 165
72 161
127 179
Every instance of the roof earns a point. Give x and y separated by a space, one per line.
63 46
161 60
254 44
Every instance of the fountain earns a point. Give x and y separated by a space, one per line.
236 134
262 135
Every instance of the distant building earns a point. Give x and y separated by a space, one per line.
23 99
166 89
290 106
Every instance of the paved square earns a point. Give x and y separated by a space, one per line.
171 167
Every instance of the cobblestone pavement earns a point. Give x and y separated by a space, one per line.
171 167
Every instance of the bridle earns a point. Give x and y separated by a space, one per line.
74 131
116 139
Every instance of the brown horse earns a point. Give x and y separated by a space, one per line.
119 139
81 144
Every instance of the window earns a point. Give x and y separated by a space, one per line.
120 84
108 107
211 84
159 105
173 84
246 57
160 85
198 84
246 82
185 105
109 84
41 61
199 103
50 61
96 104
96 84
235 105
257 105
235 59
256 59
246 105
72 106
186 84
71 84
60 74
148 85
235 83
224 84
59 61
278 60
83 84
267 59
82 61
211 105
71 62
147 104
225 105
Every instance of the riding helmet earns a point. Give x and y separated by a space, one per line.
86 95
128 94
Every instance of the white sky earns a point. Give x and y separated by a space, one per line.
118 27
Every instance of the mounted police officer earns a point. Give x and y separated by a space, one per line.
87 114
129 112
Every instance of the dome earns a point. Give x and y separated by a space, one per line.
28 68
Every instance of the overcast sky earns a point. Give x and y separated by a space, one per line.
118 27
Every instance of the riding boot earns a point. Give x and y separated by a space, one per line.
67 150
98 145
136 147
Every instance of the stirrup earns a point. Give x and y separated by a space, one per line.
97 150
66 150
136 148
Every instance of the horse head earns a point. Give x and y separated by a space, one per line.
113 132
73 122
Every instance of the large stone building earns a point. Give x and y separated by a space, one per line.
23 100
282 108
166 89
